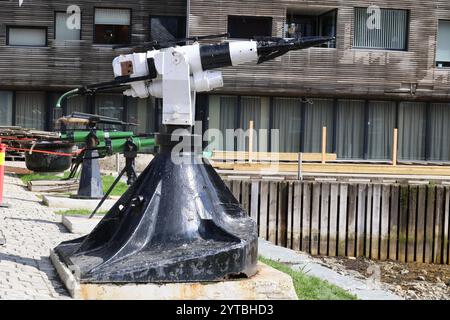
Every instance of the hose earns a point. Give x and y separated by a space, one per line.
66 95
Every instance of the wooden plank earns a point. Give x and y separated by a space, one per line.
290 216
254 204
429 224
403 222
297 216
334 168
264 210
385 208
281 234
273 206
420 232
393 222
306 217
334 211
376 219
324 145
245 197
438 225
367 249
412 216
227 183
269 156
342 224
315 218
324 217
236 189
351 220
361 219
445 253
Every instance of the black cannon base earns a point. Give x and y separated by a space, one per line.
177 223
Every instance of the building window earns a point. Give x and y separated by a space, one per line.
167 28
439 132
62 32
141 112
31 110
222 115
318 114
240 27
443 44
110 105
311 22
386 29
26 36
381 123
412 130
287 118
6 100
350 129
112 26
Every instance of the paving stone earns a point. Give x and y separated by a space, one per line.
31 230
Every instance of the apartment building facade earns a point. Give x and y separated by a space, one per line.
389 67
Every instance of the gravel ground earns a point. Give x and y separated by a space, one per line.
411 281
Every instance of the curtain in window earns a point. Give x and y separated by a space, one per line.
440 132
287 118
412 131
6 98
62 32
27 36
30 110
391 34
141 112
110 105
443 42
112 16
381 129
250 111
317 115
228 109
350 129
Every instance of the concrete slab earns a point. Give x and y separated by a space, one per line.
363 289
69 203
267 284
80 224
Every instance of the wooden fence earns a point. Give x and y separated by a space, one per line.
408 223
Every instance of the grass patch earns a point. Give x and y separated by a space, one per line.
310 287
120 189
39 176
107 181
79 212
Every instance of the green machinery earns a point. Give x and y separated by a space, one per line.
99 144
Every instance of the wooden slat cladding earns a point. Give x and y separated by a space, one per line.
408 223
68 63
343 71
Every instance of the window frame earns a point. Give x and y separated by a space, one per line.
407 30
54 25
165 16
130 31
437 44
9 27
318 26
247 16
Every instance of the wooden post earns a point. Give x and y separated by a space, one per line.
250 143
300 166
395 148
324 145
